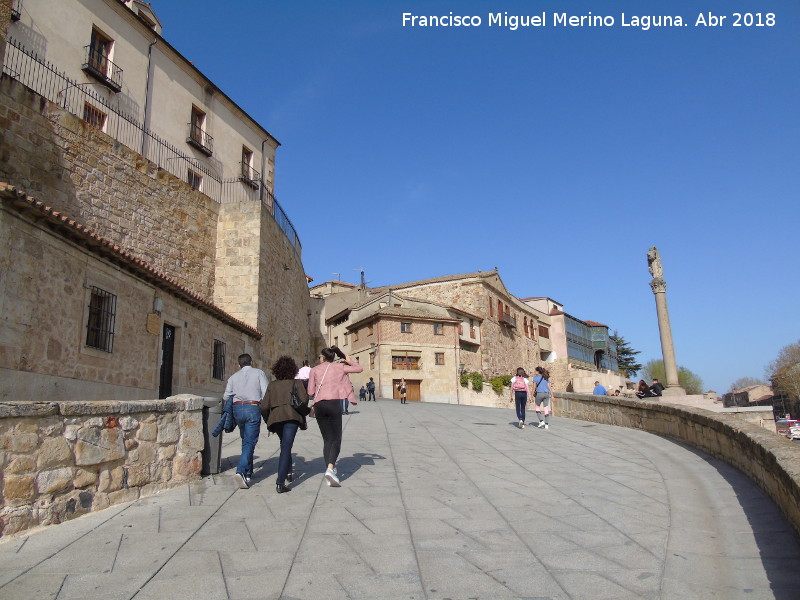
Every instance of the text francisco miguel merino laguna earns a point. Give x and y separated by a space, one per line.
556 19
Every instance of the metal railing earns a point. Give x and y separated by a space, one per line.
98 65
45 79
200 139
249 174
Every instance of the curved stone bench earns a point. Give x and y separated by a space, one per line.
770 460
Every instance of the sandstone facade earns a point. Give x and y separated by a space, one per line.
64 459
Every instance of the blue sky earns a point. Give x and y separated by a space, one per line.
557 154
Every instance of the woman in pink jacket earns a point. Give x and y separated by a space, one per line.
329 383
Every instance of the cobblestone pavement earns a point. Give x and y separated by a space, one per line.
437 502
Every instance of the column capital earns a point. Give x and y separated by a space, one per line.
659 286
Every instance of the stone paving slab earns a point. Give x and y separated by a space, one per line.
437 502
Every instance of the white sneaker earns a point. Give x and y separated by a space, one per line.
541 425
546 426
332 479
522 424
242 481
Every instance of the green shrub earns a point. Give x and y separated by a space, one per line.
497 384
477 381
464 379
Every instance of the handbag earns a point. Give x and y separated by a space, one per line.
297 404
312 396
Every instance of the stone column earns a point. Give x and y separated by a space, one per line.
659 287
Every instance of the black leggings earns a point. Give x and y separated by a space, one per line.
329 419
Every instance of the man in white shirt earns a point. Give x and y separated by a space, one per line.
303 373
247 387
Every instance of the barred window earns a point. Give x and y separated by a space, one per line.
218 370
439 358
438 329
405 327
100 326
94 116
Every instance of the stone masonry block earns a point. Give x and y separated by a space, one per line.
21 464
168 433
138 475
84 477
54 452
18 487
96 446
55 480
148 432
110 479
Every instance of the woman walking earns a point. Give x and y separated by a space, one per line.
281 417
519 394
329 383
542 397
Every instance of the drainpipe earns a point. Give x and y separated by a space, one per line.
457 354
147 94
262 185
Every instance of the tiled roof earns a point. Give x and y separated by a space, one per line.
595 324
78 232
399 286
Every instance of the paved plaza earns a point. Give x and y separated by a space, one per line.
437 502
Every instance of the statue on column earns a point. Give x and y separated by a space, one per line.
659 287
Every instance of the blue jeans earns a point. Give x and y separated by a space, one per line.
286 434
520 398
248 418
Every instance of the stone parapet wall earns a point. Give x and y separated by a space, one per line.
64 459
771 461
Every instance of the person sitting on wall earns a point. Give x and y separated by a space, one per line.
599 390
657 388
643 390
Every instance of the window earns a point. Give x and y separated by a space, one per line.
100 326
405 327
371 360
355 335
249 175
369 329
195 180
525 320
100 52
439 358
544 332
438 329
491 308
94 117
336 340
405 363
198 137
499 309
218 368
346 338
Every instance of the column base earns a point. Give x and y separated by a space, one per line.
674 390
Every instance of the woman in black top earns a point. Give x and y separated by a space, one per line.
281 417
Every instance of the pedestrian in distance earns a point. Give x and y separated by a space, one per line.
303 373
542 396
519 394
282 418
247 388
329 384
657 388
643 390
402 389
371 390
362 394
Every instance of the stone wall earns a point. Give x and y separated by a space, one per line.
64 459
73 167
771 461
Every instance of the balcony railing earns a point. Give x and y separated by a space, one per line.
98 66
45 79
200 139
406 366
250 176
507 319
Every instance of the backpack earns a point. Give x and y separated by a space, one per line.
519 385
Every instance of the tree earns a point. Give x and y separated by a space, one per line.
744 382
784 371
626 356
689 381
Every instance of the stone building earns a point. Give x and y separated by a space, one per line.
582 351
140 254
431 330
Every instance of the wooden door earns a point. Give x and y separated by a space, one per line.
413 387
